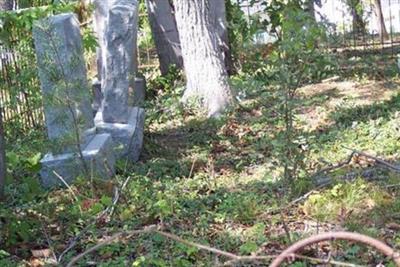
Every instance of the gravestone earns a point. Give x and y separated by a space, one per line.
76 149
100 16
116 116
97 95
138 94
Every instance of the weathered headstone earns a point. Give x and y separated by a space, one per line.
119 63
76 148
116 117
138 94
97 95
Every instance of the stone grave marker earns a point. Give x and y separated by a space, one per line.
76 149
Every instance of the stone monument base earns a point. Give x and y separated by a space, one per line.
98 155
127 137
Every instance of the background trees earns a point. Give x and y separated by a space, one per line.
165 34
4 5
381 20
305 101
2 157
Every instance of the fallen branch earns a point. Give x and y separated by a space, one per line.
147 229
337 166
380 246
327 261
235 259
109 209
155 229
199 246
312 259
380 161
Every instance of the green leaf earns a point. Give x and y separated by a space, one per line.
248 247
96 208
4 254
106 200
34 160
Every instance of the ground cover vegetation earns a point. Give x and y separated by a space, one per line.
310 145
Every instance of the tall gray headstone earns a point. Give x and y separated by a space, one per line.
68 113
62 73
119 65
119 60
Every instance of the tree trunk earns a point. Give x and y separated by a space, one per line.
165 34
357 14
218 18
6 5
310 9
206 75
2 157
381 21
100 15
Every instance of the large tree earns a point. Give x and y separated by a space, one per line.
165 34
381 21
357 12
6 5
309 7
206 75
219 20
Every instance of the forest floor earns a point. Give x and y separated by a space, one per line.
216 182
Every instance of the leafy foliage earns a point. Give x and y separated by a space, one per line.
20 80
219 182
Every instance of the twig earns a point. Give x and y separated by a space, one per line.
242 259
154 229
327 261
118 194
323 261
200 246
83 24
296 200
306 195
337 166
66 184
392 185
73 243
147 229
331 236
191 169
109 209
75 240
380 161
49 242
234 259
286 228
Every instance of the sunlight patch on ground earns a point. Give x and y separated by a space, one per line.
323 99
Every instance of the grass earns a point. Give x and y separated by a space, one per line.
217 182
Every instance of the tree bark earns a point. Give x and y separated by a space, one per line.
357 14
218 18
311 9
2 158
165 34
206 75
381 21
6 5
